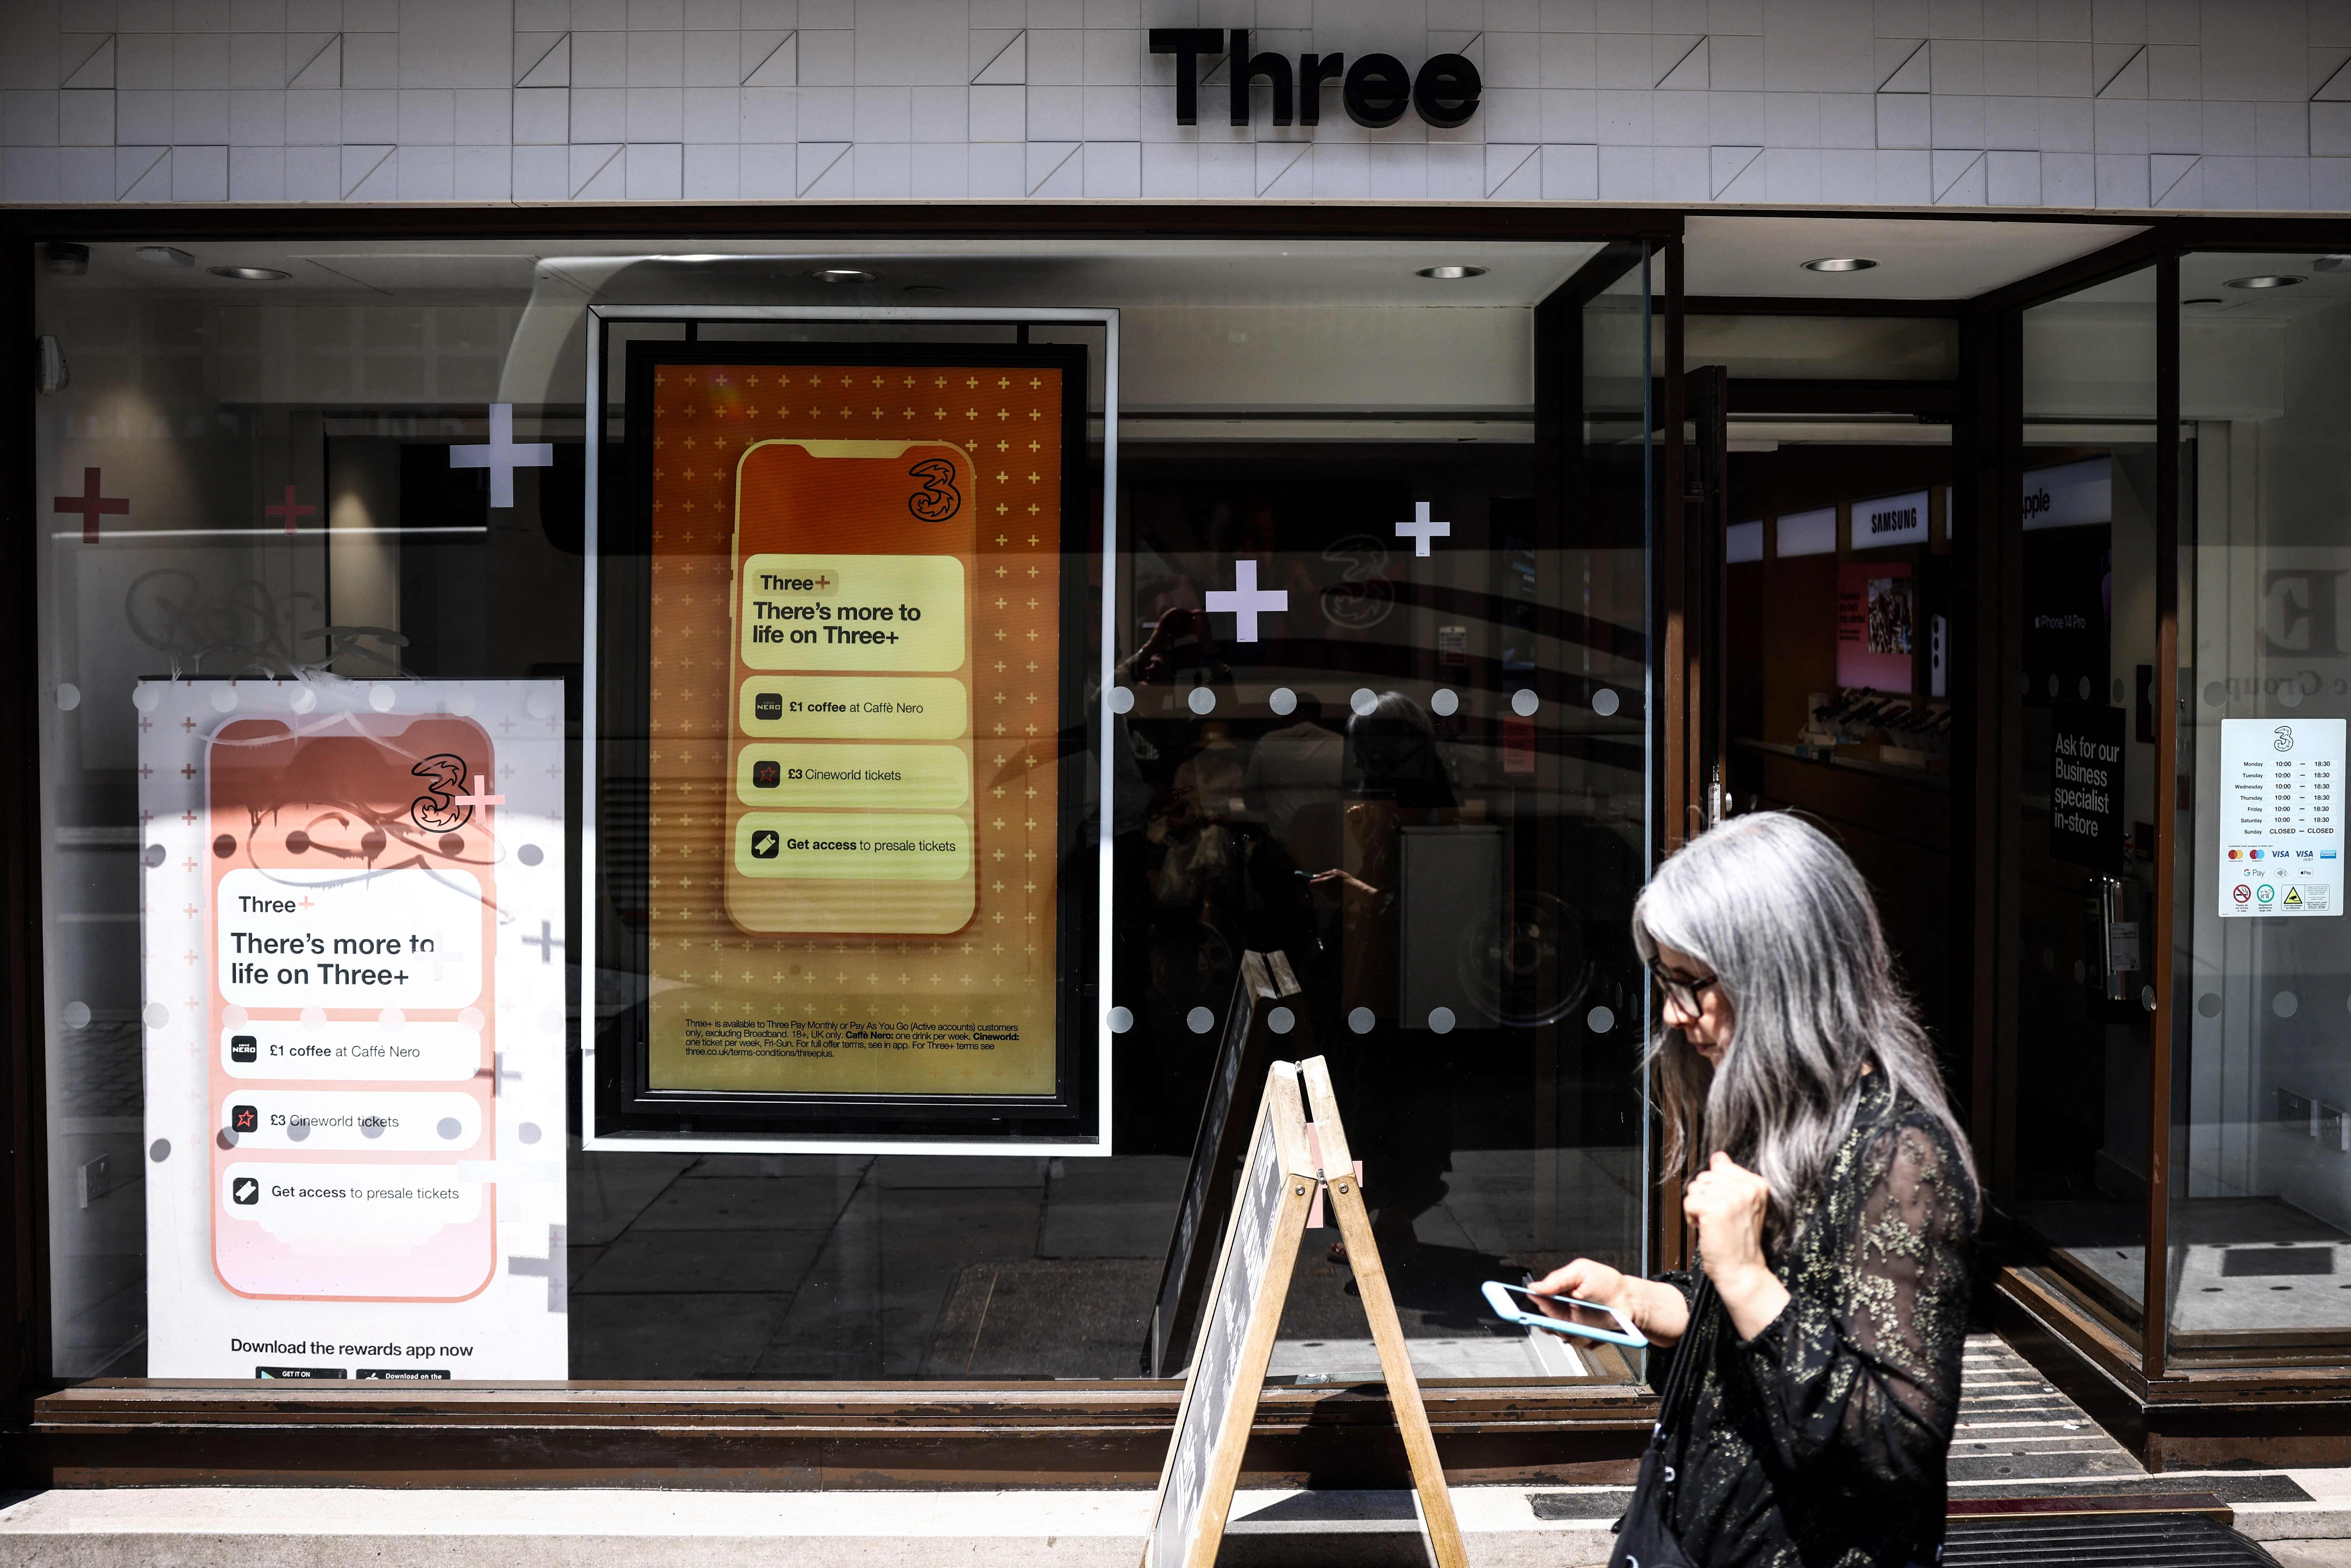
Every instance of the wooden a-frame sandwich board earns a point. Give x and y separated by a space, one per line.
1244 1313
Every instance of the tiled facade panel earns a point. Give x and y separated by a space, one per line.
2208 104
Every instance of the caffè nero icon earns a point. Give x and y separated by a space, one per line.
1376 89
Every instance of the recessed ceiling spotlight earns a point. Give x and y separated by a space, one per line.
250 273
163 256
841 275
1451 274
1839 264
2330 263
2265 280
924 288
2206 301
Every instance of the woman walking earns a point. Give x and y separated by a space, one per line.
1834 1202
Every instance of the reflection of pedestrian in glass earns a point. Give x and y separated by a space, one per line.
1402 1091
1294 767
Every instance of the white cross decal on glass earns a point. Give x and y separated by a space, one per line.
481 795
1246 601
502 457
1422 529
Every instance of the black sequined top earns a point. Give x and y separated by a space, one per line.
1821 1442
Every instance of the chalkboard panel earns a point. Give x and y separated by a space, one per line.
1264 983
1243 1313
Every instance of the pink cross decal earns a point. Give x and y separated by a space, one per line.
289 510
93 504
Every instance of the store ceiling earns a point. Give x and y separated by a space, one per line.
1918 258
1120 273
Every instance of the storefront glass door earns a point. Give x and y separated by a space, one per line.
2071 1164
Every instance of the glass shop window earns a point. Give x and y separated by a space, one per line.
2260 1191
353 876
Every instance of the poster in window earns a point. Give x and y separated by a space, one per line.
868 866
1878 625
355 1027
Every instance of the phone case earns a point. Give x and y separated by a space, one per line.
1498 1297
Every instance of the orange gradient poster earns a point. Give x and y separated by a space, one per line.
854 659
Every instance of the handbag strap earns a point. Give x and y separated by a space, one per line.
1679 1396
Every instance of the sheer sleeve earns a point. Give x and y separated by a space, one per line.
1863 1365
1661 1356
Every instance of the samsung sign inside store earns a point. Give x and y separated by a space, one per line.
1376 89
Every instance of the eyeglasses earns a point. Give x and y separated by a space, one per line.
1679 990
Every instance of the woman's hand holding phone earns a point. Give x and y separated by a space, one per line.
1659 1310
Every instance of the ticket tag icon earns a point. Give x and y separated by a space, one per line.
766 844
245 1190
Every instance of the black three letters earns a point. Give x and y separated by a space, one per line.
1376 89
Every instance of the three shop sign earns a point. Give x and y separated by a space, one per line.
1376 89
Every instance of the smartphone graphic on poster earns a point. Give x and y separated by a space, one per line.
850 797
351 899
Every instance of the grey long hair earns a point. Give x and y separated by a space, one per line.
1773 907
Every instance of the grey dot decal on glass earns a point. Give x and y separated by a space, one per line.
1599 1020
299 1131
2209 1003
1282 700
1605 701
2285 1004
1364 700
77 1015
1361 1021
530 854
2081 971
2118 691
225 700
1281 1021
1440 1020
1121 1020
2146 998
1121 700
540 704
2083 686
2289 695
1202 700
2053 688
154 855
1200 1020
381 697
159 1149
448 1127
528 1132
144 697
370 1129
1524 701
225 1138
157 1015
68 696
2215 695
1444 703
